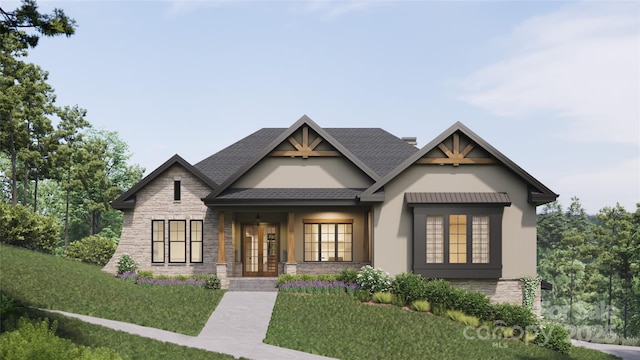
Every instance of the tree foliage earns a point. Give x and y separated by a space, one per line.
593 264
27 17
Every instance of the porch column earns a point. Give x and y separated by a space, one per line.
367 237
221 265
291 265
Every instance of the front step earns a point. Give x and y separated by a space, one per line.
252 284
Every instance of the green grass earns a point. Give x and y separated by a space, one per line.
49 282
341 327
128 346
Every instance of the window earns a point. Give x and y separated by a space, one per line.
328 241
196 241
157 241
457 242
176 190
480 239
177 241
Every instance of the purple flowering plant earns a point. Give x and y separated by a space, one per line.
318 287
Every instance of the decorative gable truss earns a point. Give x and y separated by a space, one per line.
448 152
303 148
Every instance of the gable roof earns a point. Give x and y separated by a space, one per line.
128 200
283 136
375 147
538 193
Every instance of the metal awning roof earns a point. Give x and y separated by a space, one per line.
457 198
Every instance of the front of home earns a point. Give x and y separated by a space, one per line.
308 199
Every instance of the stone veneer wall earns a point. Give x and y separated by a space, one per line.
155 202
326 267
499 291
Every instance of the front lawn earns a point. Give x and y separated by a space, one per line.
49 282
340 326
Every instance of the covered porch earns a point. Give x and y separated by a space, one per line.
269 241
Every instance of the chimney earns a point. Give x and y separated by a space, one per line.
411 140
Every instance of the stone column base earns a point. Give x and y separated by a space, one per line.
290 268
221 272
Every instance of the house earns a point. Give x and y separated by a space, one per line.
308 199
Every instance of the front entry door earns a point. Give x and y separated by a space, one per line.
260 250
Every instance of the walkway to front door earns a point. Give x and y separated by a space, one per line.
260 250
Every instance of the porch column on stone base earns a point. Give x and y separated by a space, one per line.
290 267
221 265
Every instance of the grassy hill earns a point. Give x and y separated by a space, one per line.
336 326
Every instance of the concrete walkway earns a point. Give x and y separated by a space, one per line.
237 327
621 351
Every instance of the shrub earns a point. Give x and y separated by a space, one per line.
126 264
145 274
438 292
374 280
554 337
421 306
23 228
399 300
382 297
409 286
212 282
438 309
38 341
92 249
7 306
473 303
514 315
363 295
348 275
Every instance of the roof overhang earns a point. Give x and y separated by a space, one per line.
285 197
453 198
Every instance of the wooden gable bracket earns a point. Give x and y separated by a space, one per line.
456 157
305 149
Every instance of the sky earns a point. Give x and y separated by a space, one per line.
554 86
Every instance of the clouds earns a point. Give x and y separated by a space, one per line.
581 63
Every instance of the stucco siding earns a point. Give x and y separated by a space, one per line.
393 220
156 202
316 172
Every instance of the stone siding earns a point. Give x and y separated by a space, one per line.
326 267
155 202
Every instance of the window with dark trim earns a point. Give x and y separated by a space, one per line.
177 241
196 241
328 240
457 242
157 241
176 190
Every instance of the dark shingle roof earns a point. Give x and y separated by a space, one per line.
227 161
376 148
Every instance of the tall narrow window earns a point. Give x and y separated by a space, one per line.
328 241
480 239
176 190
435 239
457 239
157 241
177 241
196 241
